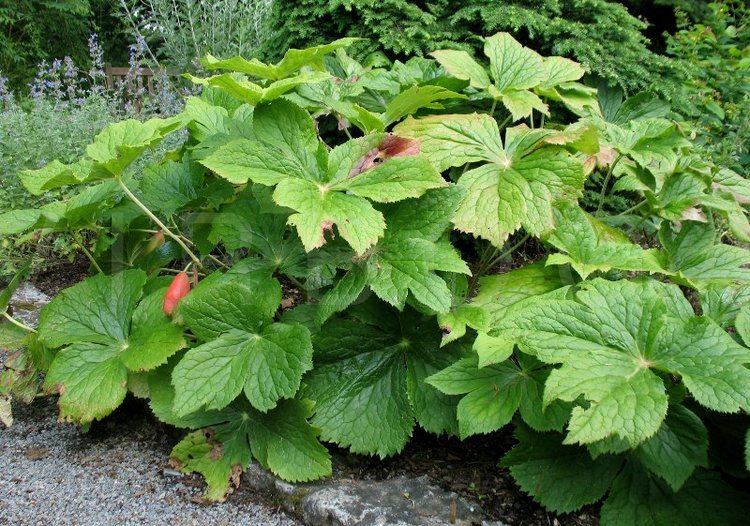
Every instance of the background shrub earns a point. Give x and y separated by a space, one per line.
714 74
601 35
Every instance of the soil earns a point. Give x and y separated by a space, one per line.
61 275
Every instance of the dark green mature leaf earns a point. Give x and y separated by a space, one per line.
494 394
680 445
244 350
170 186
254 222
637 498
562 478
368 382
281 440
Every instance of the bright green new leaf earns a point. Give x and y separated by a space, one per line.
293 61
495 393
120 143
589 245
693 255
461 65
54 175
517 186
612 340
498 298
245 91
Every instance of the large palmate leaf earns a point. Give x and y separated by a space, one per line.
407 258
104 333
112 151
494 394
325 189
561 477
590 245
612 341
369 379
519 75
693 255
293 61
243 350
518 183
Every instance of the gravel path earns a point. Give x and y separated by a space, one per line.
117 474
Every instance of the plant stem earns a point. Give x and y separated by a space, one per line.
90 257
633 208
603 193
18 323
492 109
506 253
218 261
505 122
161 225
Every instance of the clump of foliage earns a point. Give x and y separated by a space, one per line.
715 59
344 227
599 34
66 107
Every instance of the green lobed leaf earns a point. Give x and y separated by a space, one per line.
636 498
494 394
562 478
693 255
368 382
680 445
590 245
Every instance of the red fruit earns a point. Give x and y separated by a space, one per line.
177 290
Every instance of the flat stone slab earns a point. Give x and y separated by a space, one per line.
26 303
400 501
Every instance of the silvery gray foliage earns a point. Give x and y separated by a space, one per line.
186 29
